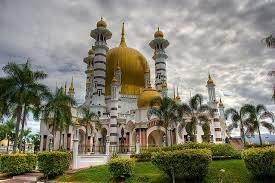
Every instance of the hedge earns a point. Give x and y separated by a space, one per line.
218 150
54 163
121 167
16 164
190 163
258 161
144 156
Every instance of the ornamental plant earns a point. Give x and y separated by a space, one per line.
258 161
144 156
121 167
189 163
54 163
16 164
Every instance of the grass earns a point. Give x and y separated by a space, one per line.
235 172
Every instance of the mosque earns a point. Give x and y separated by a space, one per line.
119 91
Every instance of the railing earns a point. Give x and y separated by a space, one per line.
102 149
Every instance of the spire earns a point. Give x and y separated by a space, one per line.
174 93
117 65
122 41
71 89
210 81
220 103
65 88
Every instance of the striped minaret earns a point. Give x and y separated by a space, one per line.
217 125
114 112
147 76
90 76
100 34
211 91
159 44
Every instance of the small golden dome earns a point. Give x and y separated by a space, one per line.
71 88
146 97
210 81
114 80
101 23
164 85
158 34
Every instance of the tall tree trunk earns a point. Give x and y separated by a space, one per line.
261 143
166 138
17 125
242 133
53 133
60 138
22 128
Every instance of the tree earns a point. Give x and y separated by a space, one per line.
57 112
35 140
258 116
16 88
89 119
239 119
194 112
165 109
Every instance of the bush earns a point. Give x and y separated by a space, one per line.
53 163
144 156
190 163
16 164
121 167
258 160
218 150
256 145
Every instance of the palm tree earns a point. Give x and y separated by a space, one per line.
165 109
239 119
57 112
258 116
195 113
89 119
35 139
20 83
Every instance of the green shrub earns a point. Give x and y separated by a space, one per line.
121 167
256 145
53 163
218 150
190 163
258 160
16 164
144 156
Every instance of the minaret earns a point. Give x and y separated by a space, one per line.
158 44
114 112
89 76
221 109
100 34
71 89
147 76
211 91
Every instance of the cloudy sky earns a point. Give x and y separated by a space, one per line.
222 37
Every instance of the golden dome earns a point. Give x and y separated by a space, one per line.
146 97
164 85
132 65
114 80
158 33
220 103
210 81
101 23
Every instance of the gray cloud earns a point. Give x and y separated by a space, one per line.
222 37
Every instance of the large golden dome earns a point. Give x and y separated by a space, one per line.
146 97
132 65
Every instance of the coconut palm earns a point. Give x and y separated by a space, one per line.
56 112
195 114
16 87
165 109
258 117
239 120
89 120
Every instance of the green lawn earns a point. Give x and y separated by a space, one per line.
235 172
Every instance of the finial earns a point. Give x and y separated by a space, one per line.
210 81
178 97
174 93
158 28
122 41
65 87
117 65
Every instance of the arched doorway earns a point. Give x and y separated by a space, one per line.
155 136
102 140
81 145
